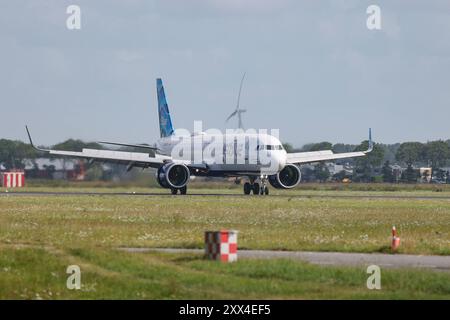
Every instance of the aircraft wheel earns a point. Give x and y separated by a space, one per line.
256 189
247 188
183 190
174 191
266 191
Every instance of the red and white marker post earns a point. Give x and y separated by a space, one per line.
221 245
13 179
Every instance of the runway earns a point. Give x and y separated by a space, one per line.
167 194
441 263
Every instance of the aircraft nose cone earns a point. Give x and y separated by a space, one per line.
280 158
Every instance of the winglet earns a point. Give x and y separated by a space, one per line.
370 141
29 136
31 141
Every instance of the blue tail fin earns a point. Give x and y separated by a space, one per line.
165 123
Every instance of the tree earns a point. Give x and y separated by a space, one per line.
321 172
341 147
76 145
362 172
410 175
388 176
390 150
288 147
307 174
14 153
375 157
410 152
364 165
436 153
324 145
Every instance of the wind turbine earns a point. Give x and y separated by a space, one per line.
238 110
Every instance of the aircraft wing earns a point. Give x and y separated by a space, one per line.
132 159
325 155
308 157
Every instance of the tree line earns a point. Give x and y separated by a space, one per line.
433 154
377 164
14 153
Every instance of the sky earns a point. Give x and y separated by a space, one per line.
313 68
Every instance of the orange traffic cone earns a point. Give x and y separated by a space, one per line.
395 240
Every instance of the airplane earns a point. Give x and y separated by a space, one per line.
174 170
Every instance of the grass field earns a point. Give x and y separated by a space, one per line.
41 235
30 273
147 183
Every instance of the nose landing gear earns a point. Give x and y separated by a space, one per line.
258 188
264 190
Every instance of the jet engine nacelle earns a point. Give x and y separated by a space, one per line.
173 175
287 178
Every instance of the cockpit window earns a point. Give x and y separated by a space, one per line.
270 147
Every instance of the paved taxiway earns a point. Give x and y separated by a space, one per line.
330 258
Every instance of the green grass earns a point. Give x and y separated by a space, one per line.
41 235
282 223
146 181
29 273
228 187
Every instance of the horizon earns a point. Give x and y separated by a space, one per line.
37 142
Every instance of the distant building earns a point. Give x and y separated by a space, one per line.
308 174
337 168
396 172
58 169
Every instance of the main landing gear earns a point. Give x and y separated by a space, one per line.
258 188
182 190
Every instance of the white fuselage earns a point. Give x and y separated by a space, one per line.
229 154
